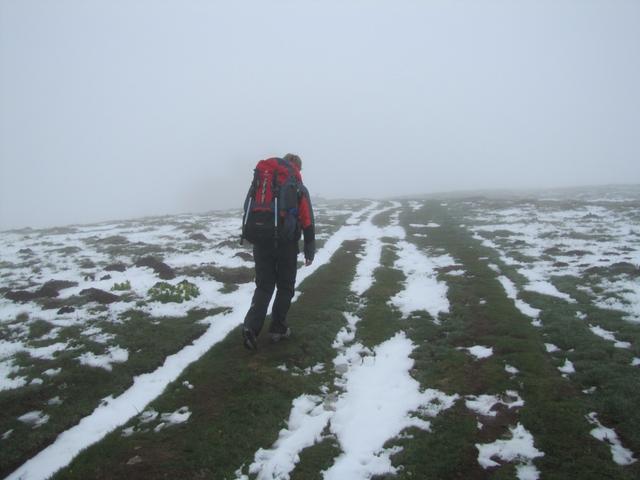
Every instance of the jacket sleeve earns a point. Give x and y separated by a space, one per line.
307 222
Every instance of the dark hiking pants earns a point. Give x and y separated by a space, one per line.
275 267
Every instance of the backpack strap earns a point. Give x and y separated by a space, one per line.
287 164
248 202
275 187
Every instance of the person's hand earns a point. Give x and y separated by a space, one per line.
309 252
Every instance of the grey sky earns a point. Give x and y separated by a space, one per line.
120 108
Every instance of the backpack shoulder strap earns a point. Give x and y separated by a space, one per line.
286 164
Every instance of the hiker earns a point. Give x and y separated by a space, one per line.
277 213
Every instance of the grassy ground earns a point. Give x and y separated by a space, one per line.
556 406
240 400
80 388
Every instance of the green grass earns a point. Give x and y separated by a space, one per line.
38 328
167 293
81 387
240 399
123 286
222 275
598 363
379 321
383 219
554 407
315 459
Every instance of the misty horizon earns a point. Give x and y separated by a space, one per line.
521 194
112 110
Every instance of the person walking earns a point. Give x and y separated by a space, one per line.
278 213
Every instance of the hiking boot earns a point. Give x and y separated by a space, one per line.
250 341
276 337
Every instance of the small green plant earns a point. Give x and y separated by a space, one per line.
165 292
121 286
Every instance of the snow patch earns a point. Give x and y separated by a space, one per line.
375 384
297 371
621 455
478 351
173 418
551 348
607 335
35 418
7 379
306 422
422 290
114 355
512 293
510 369
456 273
424 225
547 288
367 265
485 404
567 368
621 294
415 206
519 449
379 386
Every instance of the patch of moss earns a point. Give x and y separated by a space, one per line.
124 286
165 292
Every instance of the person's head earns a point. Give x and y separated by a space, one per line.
295 159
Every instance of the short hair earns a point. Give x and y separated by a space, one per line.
293 159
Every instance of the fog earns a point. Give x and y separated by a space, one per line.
121 108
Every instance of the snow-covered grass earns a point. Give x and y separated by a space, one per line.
431 339
370 382
549 239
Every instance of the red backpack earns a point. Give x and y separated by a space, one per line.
271 205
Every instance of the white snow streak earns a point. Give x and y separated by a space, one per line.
525 308
370 260
621 455
379 387
607 335
307 420
116 412
371 384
